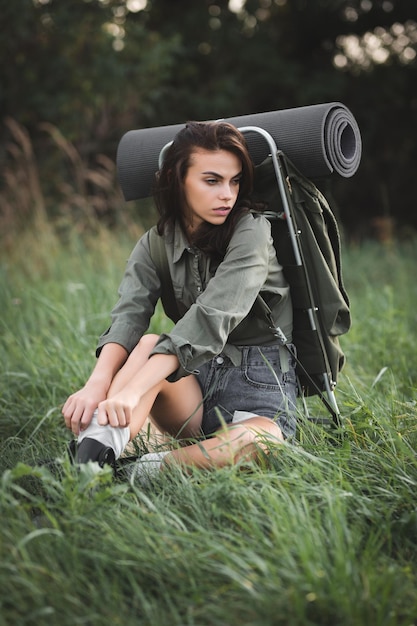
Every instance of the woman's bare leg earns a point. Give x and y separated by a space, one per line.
174 407
243 441
178 408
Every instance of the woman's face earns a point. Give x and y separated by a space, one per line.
211 187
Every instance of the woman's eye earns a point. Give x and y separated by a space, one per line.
235 182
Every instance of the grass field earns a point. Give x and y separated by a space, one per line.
324 533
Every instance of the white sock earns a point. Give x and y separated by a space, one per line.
116 438
147 467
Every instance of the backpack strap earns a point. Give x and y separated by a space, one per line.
160 259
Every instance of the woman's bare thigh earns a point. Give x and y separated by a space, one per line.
178 408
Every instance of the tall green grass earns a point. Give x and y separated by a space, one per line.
323 532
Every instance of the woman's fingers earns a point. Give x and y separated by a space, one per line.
114 413
78 411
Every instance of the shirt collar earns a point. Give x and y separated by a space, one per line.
180 243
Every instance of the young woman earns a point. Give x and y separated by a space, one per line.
220 376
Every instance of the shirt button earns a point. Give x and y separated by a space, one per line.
220 360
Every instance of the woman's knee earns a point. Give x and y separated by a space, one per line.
249 439
258 428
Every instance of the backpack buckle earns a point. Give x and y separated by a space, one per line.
277 332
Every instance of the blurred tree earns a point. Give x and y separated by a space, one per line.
66 65
279 54
96 68
376 53
57 52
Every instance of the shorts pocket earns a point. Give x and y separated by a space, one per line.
265 375
265 372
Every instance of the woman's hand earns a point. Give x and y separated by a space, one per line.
118 410
80 406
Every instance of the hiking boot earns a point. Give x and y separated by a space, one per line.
92 450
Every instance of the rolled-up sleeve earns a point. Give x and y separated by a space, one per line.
228 298
138 294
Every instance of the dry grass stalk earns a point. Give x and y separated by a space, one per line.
78 197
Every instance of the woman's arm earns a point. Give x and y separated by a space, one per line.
118 410
139 291
138 294
79 407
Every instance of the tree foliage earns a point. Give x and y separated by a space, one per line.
97 68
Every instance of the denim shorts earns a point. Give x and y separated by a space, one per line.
258 385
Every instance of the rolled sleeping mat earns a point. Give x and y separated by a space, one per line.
320 140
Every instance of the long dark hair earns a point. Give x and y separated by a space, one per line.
169 186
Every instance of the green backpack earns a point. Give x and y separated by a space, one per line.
321 310
320 303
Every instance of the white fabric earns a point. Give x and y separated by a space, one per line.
147 467
116 438
241 416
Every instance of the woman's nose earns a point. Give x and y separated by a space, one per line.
226 192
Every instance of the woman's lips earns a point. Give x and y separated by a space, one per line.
223 210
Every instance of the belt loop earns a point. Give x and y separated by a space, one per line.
284 359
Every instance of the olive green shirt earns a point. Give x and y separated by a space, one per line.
222 307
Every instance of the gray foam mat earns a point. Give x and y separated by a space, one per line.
319 139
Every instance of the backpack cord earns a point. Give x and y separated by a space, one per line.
283 341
